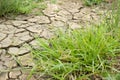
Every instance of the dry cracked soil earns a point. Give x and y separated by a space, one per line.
19 33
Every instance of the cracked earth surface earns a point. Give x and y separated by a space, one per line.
19 33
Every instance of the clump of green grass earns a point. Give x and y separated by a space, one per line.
78 51
9 6
80 54
15 6
26 6
92 2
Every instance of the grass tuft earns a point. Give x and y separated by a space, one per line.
80 54
16 6
92 2
7 6
77 51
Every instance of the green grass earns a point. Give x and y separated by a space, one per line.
80 54
9 6
27 6
79 51
16 6
92 2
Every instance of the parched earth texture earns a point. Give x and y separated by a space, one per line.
16 35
